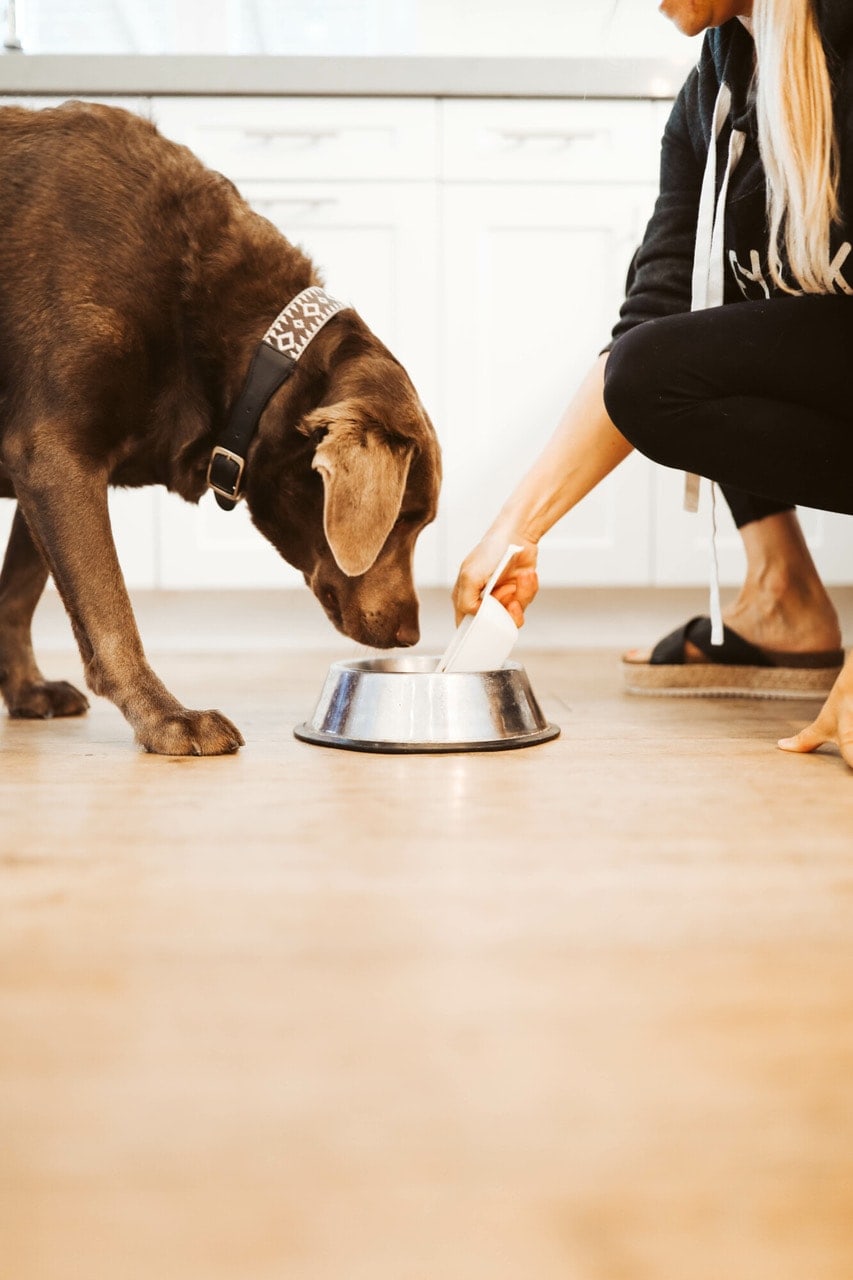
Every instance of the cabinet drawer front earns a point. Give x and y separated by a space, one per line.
286 139
550 141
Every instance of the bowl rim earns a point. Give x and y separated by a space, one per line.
373 666
306 733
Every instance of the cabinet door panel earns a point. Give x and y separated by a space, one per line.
374 245
534 276
133 515
204 546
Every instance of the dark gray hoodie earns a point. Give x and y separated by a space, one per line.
659 280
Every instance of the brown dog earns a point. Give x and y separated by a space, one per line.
136 287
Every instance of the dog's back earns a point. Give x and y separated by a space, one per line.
113 242
90 203
97 172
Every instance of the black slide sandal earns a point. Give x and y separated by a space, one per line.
735 669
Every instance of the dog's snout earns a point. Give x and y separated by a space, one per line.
408 633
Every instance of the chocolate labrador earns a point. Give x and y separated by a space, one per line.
156 330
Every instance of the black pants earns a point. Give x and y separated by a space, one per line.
755 395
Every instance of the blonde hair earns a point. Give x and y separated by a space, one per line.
796 135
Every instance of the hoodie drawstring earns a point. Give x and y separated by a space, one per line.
708 288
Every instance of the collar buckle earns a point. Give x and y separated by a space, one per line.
225 474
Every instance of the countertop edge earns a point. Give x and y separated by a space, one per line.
67 75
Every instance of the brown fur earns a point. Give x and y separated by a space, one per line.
135 285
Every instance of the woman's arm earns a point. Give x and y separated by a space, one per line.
584 448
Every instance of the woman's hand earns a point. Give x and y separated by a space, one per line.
835 722
517 585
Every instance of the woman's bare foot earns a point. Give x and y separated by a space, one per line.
783 605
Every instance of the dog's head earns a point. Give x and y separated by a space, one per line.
343 488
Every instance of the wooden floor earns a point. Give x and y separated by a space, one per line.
579 1012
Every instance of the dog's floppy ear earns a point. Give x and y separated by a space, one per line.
364 473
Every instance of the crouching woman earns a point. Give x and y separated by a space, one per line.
731 355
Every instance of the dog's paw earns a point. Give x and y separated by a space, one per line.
192 733
46 699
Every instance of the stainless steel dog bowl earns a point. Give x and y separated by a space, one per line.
403 704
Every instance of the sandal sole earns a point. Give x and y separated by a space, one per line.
710 680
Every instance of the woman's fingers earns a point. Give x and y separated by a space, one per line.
516 592
527 584
815 735
472 578
517 587
835 722
808 739
468 589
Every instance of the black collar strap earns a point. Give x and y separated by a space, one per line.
272 364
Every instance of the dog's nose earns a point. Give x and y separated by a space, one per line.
408 633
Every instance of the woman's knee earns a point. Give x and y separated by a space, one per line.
634 382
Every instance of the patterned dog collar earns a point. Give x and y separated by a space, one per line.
301 320
272 364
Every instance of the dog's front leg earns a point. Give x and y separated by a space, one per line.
66 508
24 688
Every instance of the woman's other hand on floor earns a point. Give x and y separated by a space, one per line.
517 585
835 722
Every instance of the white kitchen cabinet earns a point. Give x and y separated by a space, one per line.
533 279
543 205
486 242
